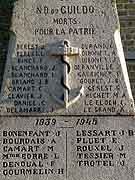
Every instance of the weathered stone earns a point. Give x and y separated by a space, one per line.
66 105
100 71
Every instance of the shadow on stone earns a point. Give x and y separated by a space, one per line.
6 10
36 85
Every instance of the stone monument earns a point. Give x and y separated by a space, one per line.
66 107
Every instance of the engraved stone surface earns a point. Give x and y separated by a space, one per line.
66 107
35 77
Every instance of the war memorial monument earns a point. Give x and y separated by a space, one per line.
66 107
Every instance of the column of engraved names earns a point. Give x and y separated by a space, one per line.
101 78
101 148
29 152
29 79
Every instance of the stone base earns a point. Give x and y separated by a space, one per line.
67 147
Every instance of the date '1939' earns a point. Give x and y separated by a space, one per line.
45 122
